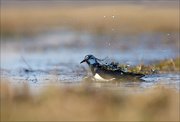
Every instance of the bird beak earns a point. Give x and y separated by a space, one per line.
82 61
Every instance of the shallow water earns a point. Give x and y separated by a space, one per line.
54 58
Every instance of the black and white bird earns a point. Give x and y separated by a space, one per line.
107 72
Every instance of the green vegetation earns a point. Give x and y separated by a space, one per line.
169 65
165 66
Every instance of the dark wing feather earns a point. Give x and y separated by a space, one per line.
118 73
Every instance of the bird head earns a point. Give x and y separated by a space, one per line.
89 59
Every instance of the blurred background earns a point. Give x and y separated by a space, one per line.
52 37
43 42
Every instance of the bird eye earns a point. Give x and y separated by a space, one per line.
86 57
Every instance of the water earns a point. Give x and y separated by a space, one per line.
54 58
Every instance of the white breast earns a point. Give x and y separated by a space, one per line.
99 78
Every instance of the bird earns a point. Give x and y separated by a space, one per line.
107 72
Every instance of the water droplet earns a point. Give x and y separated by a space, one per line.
104 16
113 17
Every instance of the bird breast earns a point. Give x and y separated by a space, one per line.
99 78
